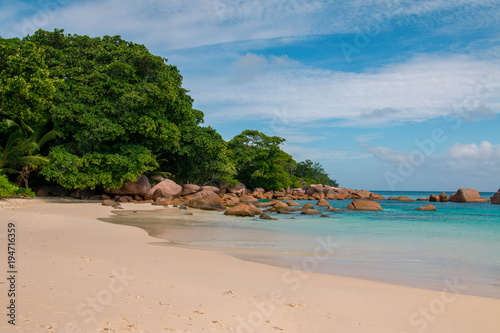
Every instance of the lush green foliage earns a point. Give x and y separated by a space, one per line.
26 90
108 169
118 111
8 189
259 160
312 173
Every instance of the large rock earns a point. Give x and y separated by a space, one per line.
240 210
315 191
266 204
322 203
376 197
428 208
495 198
307 206
165 189
206 200
140 187
434 198
189 189
210 188
239 189
293 204
466 195
310 212
258 192
364 205
280 205
248 198
443 197
404 198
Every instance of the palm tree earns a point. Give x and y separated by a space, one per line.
21 152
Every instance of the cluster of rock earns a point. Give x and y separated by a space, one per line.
244 202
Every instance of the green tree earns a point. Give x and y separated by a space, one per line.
313 173
116 100
21 153
26 88
259 160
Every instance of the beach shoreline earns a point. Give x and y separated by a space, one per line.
76 273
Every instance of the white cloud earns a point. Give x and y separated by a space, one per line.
472 152
420 89
386 154
178 24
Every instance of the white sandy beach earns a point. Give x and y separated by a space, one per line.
79 274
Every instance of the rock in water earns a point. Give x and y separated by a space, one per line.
466 195
428 208
310 212
322 203
239 210
364 205
495 198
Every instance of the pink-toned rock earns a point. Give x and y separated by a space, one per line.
434 198
322 203
315 191
427 208
255 210
467 195
298 191
248 198
280 205
364 194
404 198
293 204
189 189
364 205
331 209
239 189
140 187
268 195
266 204
240 210
376 197
206 200
210 188
258 192
165 189
310 212
495 198
307 206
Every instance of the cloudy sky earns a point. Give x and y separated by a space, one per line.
386 94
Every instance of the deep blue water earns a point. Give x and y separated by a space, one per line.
397 245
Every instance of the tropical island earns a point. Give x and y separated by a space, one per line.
101 130
83 113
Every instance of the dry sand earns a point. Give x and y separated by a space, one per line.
78 274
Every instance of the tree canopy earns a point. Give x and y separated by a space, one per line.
112 111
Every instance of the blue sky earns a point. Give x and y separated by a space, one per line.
400 95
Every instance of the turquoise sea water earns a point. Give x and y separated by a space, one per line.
459 242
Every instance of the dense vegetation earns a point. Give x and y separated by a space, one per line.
96 112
